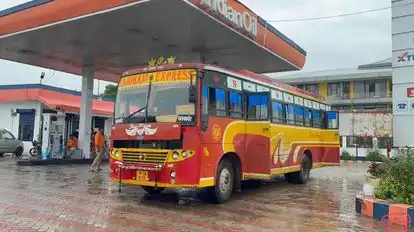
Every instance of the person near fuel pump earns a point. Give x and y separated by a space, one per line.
99 149
72 145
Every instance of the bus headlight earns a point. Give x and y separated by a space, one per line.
184 154
175 155
117 154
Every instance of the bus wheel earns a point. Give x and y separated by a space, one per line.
224 181
302 176
152 190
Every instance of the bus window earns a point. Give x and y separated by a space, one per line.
299 115
257 106
277 112
317 120
217 102
204 109
307 117
290 114
332 118
235 105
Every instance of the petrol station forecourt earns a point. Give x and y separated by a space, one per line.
103 38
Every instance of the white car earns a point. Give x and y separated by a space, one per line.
10 144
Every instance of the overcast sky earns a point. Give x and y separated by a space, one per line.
343 42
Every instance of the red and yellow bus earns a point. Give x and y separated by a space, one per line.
201 126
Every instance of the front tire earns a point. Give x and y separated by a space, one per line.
152 190
18 152
224 181
302 176
33 152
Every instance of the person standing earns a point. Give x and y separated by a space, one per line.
72 145
99 149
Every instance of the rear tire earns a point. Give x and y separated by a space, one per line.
33 152
18 152
302 176
152 190
224 181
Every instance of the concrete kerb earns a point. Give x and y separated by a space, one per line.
56 162
390 214
355 163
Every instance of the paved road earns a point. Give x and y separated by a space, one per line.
72 199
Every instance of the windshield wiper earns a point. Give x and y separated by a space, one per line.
135 112
146 104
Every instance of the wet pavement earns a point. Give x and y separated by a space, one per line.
69 198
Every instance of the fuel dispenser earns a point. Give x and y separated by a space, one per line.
53 135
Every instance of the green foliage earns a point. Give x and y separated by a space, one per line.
110 91
345 155
385 189
376 170
375 156
397 179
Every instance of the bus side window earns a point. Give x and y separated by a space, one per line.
257 107
277 112
204 108
307 117
235 104
290 114
217 102
332 118
299 115
317 120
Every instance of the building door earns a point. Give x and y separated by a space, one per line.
26 125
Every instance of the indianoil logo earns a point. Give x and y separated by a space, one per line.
216 133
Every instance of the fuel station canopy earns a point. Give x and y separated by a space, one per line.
116 35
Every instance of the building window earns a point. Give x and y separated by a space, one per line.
360 142
333 89
383 141
26 126
359 89
313 88
346 90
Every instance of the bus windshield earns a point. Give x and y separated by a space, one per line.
168 97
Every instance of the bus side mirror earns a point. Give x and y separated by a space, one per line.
192 94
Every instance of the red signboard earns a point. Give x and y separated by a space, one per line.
410 92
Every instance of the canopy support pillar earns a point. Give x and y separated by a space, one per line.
85 119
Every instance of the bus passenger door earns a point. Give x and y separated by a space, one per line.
331 137
257 129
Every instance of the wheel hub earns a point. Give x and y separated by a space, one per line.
225 180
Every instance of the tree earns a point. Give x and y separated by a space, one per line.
110 91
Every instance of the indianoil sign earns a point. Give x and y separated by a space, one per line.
243 20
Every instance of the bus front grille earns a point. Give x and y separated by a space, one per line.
155 157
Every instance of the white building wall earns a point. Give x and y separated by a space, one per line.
11 123
364 124
403 46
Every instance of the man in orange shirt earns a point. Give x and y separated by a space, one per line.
99 148
72 145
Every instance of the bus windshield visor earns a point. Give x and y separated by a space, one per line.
167 100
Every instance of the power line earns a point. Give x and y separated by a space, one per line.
337 16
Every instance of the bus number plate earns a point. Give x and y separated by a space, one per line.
142 175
